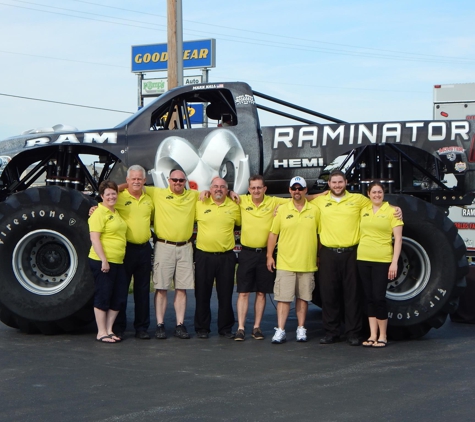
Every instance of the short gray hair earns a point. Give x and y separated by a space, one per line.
136 167
218 177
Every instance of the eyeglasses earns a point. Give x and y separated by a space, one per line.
300 188
218 187
177 180
256 187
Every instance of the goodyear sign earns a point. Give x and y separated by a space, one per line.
153 57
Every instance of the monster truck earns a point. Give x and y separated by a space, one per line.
47 184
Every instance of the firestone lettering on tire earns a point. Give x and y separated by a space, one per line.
25 217
415 313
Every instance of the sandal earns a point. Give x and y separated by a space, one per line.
380 344
116 339
368 343
103 340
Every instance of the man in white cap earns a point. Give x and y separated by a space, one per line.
296 226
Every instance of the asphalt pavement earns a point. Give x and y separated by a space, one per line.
71 377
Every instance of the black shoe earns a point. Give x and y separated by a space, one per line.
240 335
202 334
257 334
180 332
160 332
353 341
329 340
227 334
142 335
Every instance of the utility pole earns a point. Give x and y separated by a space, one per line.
175 43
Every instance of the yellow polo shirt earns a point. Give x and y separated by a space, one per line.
174 214
297 243
216 225
376 243
137 213
340 221
112 228
257 220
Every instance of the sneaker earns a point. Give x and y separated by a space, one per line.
257 334
142 335
353 341
227 334
202 334
240 335
301 333
160 332
180 332
329 339
279 336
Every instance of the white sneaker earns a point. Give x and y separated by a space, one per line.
279 336
301 333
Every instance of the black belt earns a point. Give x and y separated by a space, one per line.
173 243
137 245
341 250
247 248
217 253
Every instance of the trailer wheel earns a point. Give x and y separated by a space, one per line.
45 284
431 270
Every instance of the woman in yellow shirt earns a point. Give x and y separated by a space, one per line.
377 260
106 257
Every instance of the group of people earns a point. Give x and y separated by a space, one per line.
355 234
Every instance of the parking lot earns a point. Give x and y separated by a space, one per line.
71 377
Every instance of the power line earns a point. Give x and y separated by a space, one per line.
207 24
67 60
68 104
325 86
384 54
80 17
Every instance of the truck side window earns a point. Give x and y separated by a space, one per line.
188 111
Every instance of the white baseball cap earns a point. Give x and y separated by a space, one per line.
298 180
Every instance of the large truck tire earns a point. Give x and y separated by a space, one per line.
45 284
431 270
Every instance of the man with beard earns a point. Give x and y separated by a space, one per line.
339 231
215 259
296 226
173 256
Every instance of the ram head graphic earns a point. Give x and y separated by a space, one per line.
219 155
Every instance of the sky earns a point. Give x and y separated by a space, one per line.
359 61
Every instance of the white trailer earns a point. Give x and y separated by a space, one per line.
453 102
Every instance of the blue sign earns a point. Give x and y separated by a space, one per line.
195 111
153 57
196 116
